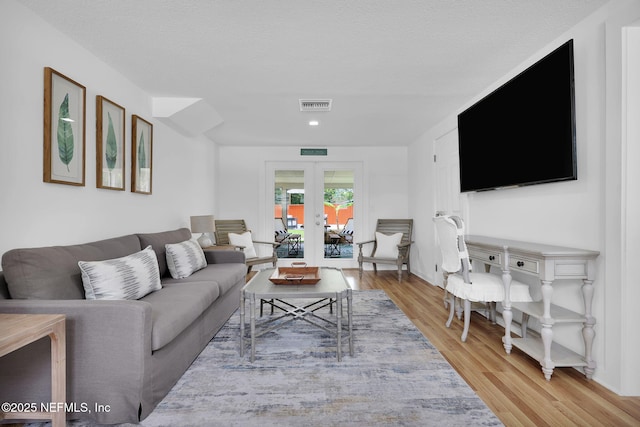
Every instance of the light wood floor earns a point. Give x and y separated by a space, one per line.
513 386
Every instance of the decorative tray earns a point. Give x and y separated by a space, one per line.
296 275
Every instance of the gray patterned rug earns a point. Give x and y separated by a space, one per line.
395 378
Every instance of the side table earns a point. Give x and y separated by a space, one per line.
18 330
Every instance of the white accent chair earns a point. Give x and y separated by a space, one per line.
463 285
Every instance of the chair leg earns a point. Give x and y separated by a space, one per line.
467 319
492 313
458 308
451 309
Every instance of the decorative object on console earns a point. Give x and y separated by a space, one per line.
110 143
206 225
64 129
141 155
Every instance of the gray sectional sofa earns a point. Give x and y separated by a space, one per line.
121 354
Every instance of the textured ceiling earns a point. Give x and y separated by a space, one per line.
393 68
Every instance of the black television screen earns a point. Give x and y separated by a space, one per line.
523 133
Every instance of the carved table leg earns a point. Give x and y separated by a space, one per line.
547 332
507 315
588 332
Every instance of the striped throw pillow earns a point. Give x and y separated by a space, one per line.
185 258
129 277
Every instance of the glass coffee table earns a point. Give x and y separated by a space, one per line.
331 289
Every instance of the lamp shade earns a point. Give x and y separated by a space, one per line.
203 224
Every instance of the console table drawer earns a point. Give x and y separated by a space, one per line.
524 264
486 256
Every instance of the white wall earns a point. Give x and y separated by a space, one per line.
585 213
35 213
242 191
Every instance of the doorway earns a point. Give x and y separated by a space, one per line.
315 211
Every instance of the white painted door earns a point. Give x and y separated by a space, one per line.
447 183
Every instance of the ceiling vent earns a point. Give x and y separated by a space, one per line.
315 104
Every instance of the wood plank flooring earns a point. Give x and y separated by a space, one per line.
513 386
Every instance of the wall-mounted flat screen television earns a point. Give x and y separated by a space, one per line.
522 133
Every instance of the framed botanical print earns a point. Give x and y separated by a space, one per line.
141 155
110 143
64 129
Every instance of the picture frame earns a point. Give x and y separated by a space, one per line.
64 129
141 155
110 144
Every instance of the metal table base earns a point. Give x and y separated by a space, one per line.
331 289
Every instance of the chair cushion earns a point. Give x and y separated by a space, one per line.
129 277
244 240
387 245
486 287
184 258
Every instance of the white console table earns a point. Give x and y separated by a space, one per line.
549 263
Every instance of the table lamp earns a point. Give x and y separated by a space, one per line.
206 225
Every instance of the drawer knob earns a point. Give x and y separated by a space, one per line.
492 258
520 264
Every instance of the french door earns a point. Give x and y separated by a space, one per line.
315 210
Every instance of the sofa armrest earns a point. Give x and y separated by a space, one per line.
108 357
224 256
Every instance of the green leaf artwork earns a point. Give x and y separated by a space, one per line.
111 152
65 133
142 155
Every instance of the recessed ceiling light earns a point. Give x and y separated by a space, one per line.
314 123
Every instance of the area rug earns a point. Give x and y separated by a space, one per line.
395 378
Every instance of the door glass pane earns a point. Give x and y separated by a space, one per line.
338 214
289 213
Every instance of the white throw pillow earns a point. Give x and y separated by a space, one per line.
387 246
244 239
184 258
129 277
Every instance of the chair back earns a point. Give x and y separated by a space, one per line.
279 225
450 232
348 227
280 230
226 226
393 226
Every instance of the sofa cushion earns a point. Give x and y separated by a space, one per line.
176 306
53 272
184 258
224 275
129 277
159 240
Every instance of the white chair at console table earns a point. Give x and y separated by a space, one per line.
548 263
